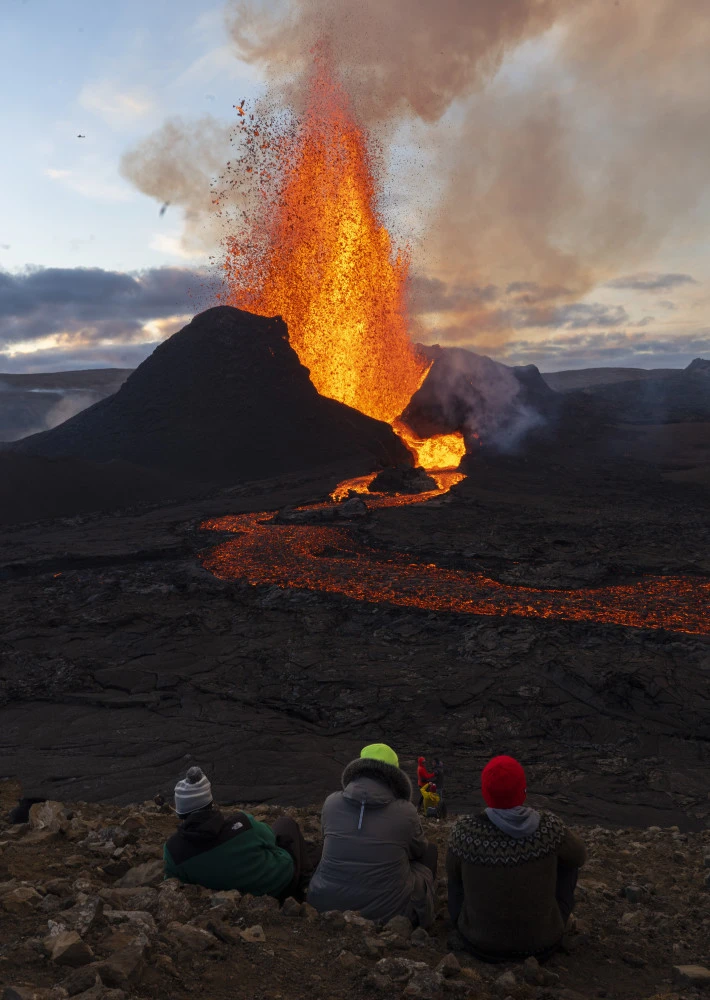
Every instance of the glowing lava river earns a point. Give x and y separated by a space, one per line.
327 558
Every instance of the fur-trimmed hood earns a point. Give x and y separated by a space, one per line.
391 777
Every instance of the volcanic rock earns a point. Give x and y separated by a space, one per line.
402 479
34 488
354 507
473 394
225 399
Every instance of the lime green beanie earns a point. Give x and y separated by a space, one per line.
380 751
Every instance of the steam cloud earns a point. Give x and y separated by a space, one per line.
569 138
19 419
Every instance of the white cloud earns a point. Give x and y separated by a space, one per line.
173 246
118 108
219 63
93 181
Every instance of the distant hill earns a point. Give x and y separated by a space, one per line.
584 378
33 403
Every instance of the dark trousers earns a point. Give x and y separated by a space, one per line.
564 896
430 858
564 892
305 857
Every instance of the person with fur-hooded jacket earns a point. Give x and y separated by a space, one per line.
512 872
375 858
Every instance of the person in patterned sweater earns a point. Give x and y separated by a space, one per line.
512 872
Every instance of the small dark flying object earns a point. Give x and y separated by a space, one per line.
163 208
81 137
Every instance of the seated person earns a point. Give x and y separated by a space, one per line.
375 858
430 798
512 872
235 852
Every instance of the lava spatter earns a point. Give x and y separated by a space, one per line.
316 252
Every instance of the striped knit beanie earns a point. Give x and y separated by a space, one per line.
192 793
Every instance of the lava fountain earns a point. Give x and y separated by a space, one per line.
317 253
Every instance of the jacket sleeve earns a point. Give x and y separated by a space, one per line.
571 851
456 893
263 831
169 867
417 841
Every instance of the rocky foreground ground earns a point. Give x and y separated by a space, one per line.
85 913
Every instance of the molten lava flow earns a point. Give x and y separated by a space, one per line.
328 558
328 267
442 451
318 255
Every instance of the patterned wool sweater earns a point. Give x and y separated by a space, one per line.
476 840
502 889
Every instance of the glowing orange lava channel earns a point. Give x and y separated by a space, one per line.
327 558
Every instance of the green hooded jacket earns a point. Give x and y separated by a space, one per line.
235 852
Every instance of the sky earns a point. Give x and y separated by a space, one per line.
92 275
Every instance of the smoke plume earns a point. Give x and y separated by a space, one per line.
568 139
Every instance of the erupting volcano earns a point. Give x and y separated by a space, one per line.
316 253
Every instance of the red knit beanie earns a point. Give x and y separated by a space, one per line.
503 783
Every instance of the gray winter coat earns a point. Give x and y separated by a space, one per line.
373 841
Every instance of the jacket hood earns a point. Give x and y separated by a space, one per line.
205 824
420 760
368 790
392 778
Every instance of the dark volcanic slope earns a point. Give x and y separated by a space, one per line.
661 398
224 399
33 488
120 655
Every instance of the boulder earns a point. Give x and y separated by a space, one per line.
506 982
67 948
402 479
192 938
49 816
254 934
140 920
449 966
83 915
291 907
20 901
400 970
124 967
425 984
173 905
81 980
691 975
149 873
140 898
401 926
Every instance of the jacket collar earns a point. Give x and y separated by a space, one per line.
387 774
202 824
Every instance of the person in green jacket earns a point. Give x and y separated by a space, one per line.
232 852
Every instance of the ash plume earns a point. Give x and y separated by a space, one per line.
483 399
175 165
567 139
